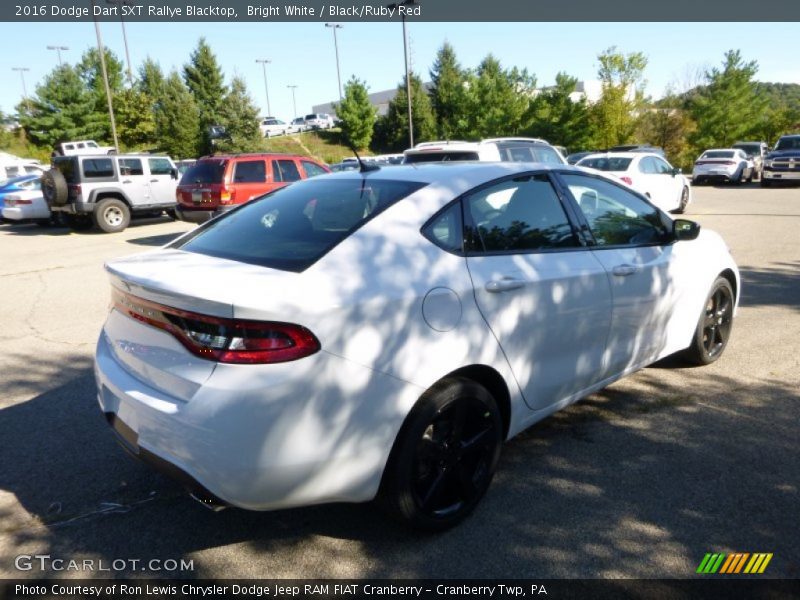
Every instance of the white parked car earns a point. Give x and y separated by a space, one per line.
318 121
82 147
494 149
270 127
730 165
381 333
298 125
27 204
648 173
13 166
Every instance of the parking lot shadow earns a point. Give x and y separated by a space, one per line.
643 468
775 285
155 240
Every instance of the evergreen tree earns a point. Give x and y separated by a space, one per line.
554 116
204 78
177 120
357 114
615 115
497 99
239 115
151 80
392 130
136 123
728 108
448 93
61 109
91 73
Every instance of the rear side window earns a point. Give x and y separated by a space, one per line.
606 163
312 169
205 171
423 157
98 167
159 166
293 227
130 166
250 171
285 170
12 172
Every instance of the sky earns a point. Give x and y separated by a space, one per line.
302 54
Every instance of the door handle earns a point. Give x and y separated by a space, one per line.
504 285
154 181
127 181
624 270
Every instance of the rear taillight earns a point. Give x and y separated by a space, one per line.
627 180
225 196
223 340
75 189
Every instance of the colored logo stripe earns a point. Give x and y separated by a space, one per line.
758 563
711 563
734 563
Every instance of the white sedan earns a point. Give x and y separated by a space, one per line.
648 173
381 332
27 204
723 164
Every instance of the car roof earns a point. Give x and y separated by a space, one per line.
253 155
621 154
721 150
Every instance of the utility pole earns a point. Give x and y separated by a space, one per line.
395 6
58 49
294 102
24 89
102 52
264 62
336 26
125 36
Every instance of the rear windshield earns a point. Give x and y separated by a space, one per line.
606 163
439 156
67 168
293 227
206 171
718 154
789 143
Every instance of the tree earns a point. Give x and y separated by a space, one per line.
90 71
204 78
61 109
669 126
554 116
151 80
239 115
391 131
177 120
357 113
497 99
728 108
448 93
136 123
614 115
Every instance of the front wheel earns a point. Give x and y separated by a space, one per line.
684 202
444 457
714 327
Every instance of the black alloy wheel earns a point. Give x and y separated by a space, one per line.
716 322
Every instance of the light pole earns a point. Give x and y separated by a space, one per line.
264 62
125 36
294 102
58 49
24 89
397 5
336 26
102 52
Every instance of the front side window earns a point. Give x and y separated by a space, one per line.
130 166
616 216
285 170
520 214
98 167
606 163
250 171
159 166
662 167
293 227
90 145
648 166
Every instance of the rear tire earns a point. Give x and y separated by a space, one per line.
111 215
444 457
714 327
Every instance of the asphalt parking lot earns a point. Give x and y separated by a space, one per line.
640 480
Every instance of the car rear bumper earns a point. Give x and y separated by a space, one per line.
191 215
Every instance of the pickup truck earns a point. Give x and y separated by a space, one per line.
783 163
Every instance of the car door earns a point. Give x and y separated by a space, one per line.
633 243
544 295
133 181
284 171
162 183
670 185
249 179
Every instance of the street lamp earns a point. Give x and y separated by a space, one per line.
125 35
24 89
294 102
394 6
264 62
336 26
58 49
102 52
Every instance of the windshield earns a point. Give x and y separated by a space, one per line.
606 163
788 143
293 227
439 156
206 171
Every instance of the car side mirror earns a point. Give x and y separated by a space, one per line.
676 171
174 173
685 230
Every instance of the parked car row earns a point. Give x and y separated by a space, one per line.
272 127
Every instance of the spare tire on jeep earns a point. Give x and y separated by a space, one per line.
54 187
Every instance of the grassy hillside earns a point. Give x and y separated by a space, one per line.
326 146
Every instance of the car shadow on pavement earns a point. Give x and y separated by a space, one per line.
775 285
638 480
31 229
156 240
